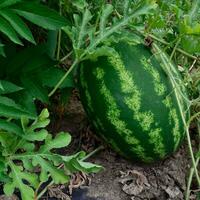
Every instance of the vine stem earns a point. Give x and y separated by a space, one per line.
187 195
59 33
52 182
174 49
93 152
65 57
63 78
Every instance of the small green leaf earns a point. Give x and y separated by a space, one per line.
44 115
36 136
106 11
62 139
100 51
82 31
74 163
80 4
89 167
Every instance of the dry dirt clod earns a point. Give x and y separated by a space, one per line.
78 180
13 197
134 182
173 192
56 192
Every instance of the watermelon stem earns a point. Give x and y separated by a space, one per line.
59 34
93 152
187 195
174 49
64 77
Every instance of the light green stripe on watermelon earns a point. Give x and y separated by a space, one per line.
96 122
145 119
113 116
159 87
178 87
173 118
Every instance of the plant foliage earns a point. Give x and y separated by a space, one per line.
27 150
12 13
18 146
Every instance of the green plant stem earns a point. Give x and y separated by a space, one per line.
187 196
192 155
59 44
59 34
65 57
93 152
52 182
192 118
174 49
63 78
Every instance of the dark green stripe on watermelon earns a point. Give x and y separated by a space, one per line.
131 97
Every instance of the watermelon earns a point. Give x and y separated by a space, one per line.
133 103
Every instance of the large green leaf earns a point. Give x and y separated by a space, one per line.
6 3
191 43
11 128
8 108
35 88
2 53
40 15
74 163
20 60
8 30
18 176
25 99
57 175
17 23
7 87
52 75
